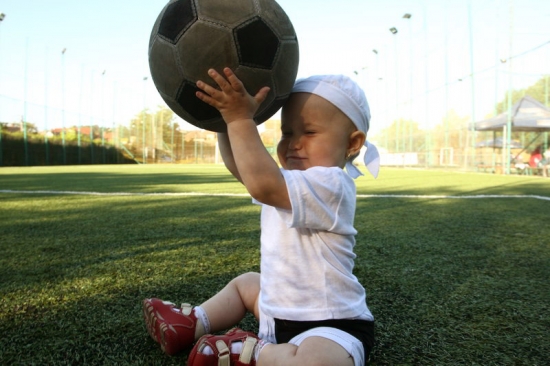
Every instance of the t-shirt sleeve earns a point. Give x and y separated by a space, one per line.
322 199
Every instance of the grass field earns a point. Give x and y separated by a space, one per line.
451 281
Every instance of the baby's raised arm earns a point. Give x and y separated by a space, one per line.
227 155
255 168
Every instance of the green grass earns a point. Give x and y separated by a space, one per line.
450 281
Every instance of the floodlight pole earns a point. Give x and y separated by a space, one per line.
546 90
377 64
2 16
24 122
394 31
91 117
103 116
446 59
379 78
143 122
182 145
427 137
172 160
63 104
79 132
510 70
153 138
497 51
46 141
472 82
115 135
408 16
546 104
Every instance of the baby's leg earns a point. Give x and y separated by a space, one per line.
313 351
228 307
176 328
318 346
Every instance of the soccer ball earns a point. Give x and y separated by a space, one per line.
255 38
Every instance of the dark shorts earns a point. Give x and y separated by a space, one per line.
363 330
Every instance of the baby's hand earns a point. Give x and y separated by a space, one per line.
232 100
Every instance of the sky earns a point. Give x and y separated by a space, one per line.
444 57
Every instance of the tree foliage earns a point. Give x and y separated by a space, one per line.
540 91
406 135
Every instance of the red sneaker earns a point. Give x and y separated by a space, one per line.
172 327
220 346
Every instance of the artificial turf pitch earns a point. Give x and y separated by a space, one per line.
456 265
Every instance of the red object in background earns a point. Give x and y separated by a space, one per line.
535 158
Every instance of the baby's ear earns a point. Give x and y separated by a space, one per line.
356 141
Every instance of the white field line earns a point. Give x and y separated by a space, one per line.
544 198
86 193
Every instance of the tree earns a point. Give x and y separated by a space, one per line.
450 133
540 91
401 136
151 132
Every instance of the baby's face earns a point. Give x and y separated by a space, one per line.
314 133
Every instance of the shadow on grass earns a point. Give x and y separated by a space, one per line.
118 178
59 237
111 182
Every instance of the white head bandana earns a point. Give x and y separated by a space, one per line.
345 94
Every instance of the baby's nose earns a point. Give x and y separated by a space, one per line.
295 143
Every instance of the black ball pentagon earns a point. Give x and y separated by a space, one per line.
199 111
257 45
177 18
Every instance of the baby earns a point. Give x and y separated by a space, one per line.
311 308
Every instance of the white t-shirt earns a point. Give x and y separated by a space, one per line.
307 253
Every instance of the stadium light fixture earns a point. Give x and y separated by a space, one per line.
393 30
407 16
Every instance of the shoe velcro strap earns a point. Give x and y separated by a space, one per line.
248 350
186 309
223 353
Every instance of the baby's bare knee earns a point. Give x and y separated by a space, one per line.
248 278
248 286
